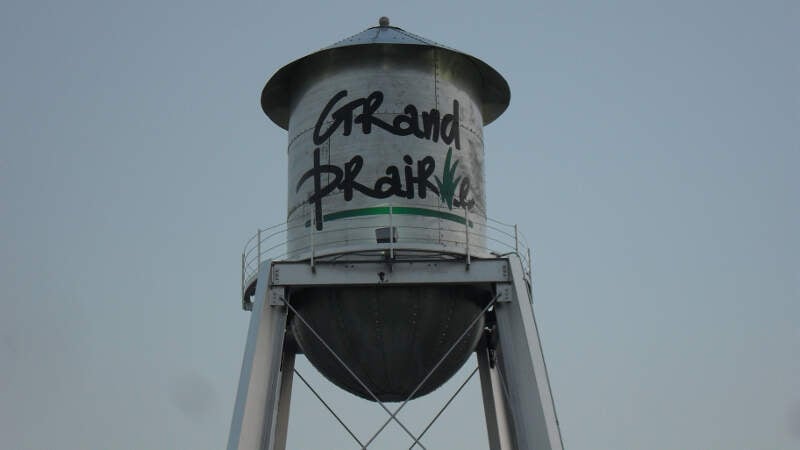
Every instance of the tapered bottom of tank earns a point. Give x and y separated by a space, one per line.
389 336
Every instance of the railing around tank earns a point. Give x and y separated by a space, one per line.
492 238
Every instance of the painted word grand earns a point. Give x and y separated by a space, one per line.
428 125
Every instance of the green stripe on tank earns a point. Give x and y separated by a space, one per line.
400 210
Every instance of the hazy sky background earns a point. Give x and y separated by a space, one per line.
650 154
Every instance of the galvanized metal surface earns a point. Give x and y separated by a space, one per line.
277 96
385 127
384 136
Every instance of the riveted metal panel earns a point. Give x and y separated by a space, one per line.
386 136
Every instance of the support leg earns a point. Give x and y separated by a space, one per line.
495 405
257 400
522 369
284 401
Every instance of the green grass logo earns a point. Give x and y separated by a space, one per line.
447 186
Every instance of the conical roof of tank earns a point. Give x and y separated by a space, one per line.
495 93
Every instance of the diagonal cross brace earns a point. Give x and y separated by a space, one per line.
356 377
430 373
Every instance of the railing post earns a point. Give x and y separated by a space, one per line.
391 233
466 233
530 263
516 240
258 246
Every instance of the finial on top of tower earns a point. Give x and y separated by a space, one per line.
383 21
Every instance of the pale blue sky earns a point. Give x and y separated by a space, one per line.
649 154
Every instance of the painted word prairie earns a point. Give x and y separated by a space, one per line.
407 186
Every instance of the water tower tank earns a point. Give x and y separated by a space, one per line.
385 161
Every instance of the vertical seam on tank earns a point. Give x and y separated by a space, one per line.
328 149
446 325
436 105
461 345
378 333
417 294
436 78
343 330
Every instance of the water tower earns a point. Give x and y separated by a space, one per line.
387 274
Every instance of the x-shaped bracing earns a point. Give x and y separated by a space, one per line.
392 415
